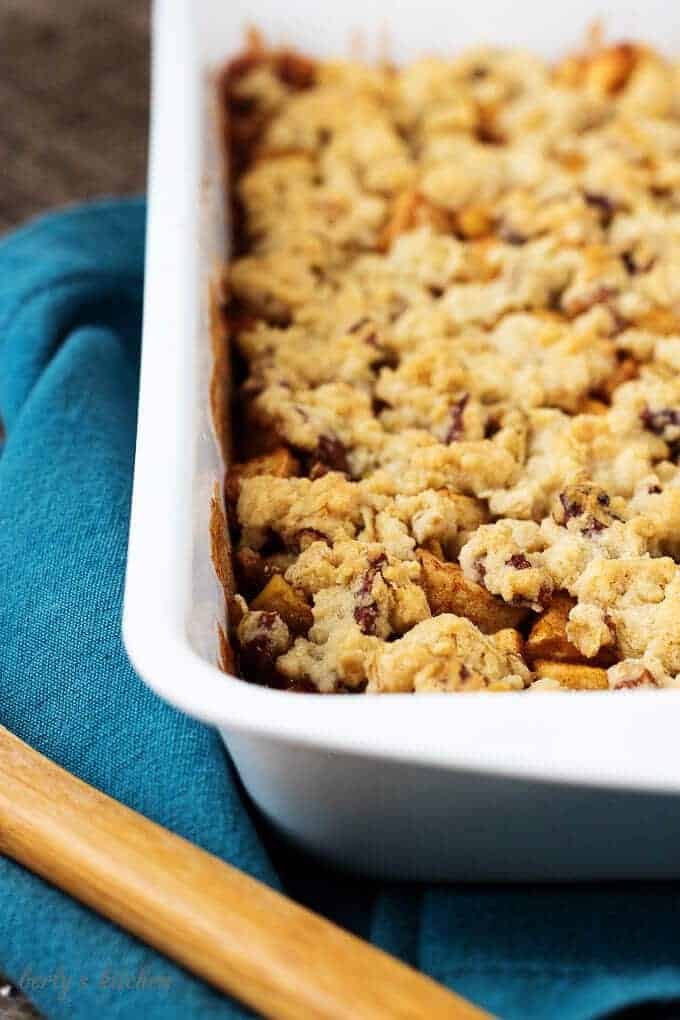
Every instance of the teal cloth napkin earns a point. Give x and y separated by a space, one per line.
70 304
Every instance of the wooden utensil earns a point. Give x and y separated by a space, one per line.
236 933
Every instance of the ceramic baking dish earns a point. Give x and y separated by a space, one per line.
481 786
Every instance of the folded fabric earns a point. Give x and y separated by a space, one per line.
70 304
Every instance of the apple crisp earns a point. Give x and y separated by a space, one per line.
454 306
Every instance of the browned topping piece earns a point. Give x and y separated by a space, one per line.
609 70
409 210
435 547
471 512
601 69
487 132
295 69
589 405
280 463
627 369
664 321
636 676
475 221
510 640
572 675
306 536
280 597
449 591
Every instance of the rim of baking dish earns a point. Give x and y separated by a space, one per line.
622 741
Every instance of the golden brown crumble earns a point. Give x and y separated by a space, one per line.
455 310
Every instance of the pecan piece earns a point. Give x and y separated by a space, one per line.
366 611
262 638
605 206
586 503
518 561
664 422
331 453
643 679
456 428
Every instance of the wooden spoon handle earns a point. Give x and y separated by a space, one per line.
235 932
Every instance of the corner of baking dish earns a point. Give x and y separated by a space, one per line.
624 742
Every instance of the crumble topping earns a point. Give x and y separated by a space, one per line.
456 301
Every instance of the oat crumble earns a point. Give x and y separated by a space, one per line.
455 304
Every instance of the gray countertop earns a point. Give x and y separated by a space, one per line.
74 100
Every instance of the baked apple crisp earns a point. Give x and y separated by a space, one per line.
454 305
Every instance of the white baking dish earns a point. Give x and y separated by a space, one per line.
512 786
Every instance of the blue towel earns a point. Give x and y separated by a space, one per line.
70 303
